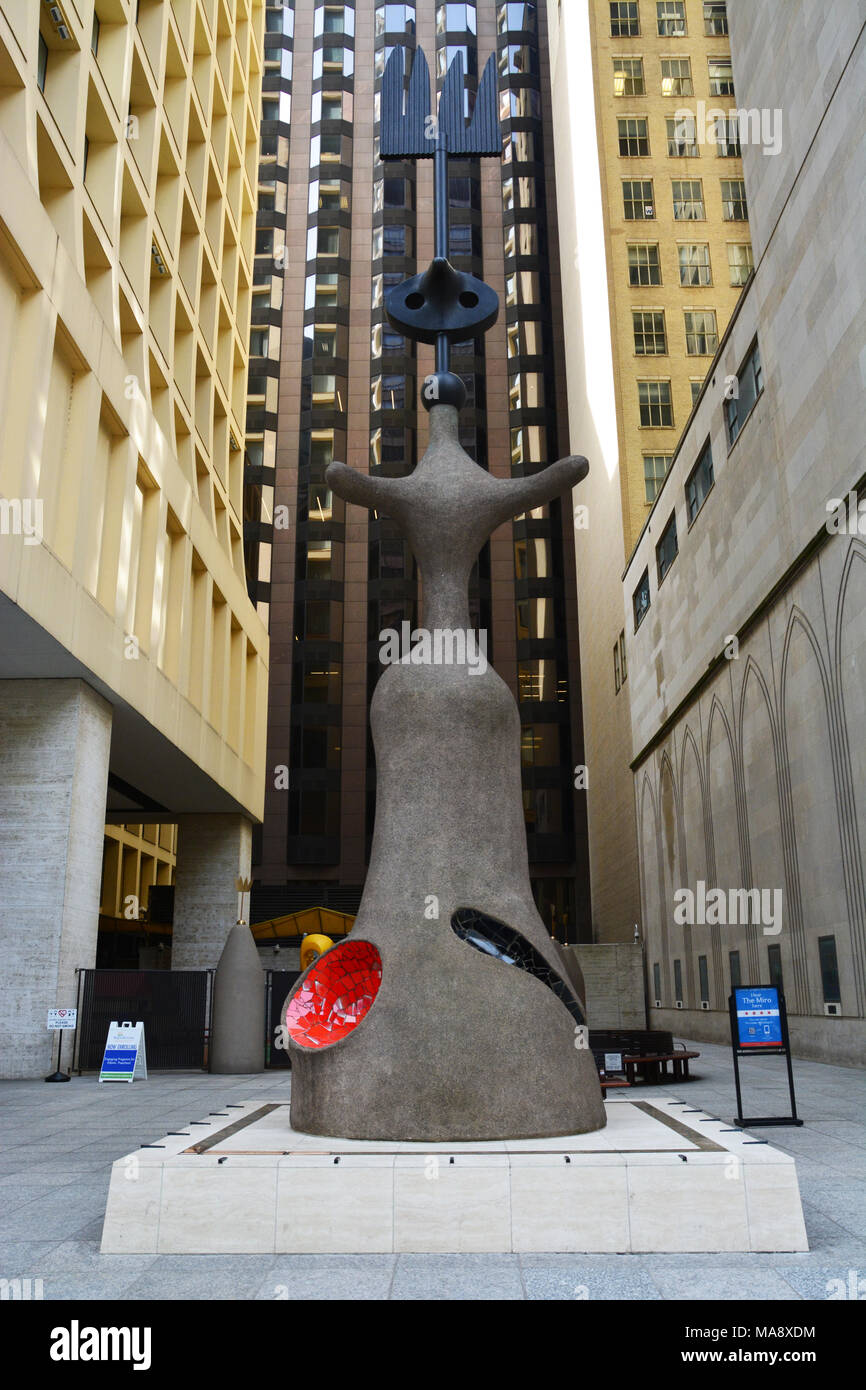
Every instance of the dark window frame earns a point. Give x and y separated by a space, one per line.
732 411
641 609
695 498
663 551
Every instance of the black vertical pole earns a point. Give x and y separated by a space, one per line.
440 245
787 1041
732 1010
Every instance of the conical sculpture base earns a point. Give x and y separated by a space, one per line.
238 1032
456 1020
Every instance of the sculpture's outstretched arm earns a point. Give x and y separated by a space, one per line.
357 487
516 495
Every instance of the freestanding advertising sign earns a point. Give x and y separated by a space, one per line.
759 1027
124 1058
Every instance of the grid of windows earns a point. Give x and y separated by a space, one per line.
41 63
655 404
688 196
395 19
677 77
704 979
694 260
749 385
699 482
702 334
829 970
633 136
650 339
457 19
741 262
666 552
728 138
734 206
628 79
655 467
624 20
671 18
640 604
511 18
643 265
715 18
637 200
721 77
682 138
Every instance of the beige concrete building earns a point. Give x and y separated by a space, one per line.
133 666
656 248
745 597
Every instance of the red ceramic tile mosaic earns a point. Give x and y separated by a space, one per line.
336 994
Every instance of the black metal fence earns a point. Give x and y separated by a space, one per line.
279 984
174 1006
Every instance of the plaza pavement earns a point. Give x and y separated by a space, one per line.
57 1144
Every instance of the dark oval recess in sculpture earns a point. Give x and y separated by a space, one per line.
494 938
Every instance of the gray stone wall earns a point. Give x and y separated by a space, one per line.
614 978
748 673
55 737
212 851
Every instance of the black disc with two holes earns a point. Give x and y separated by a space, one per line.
442 301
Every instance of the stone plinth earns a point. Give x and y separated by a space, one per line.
659 1177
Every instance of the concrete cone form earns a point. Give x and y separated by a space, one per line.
238 1033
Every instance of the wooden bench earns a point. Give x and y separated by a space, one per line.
654 1066
613 1084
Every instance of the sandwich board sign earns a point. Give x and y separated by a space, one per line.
759 1028
124 1057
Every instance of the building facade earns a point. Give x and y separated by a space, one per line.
349 390
654 226
133 666
745 597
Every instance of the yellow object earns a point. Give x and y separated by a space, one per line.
313 946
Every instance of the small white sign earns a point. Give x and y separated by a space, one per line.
62 1018
613 1061
124 1058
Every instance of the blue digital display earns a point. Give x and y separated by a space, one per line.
759 1019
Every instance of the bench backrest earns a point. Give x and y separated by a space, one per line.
631 1042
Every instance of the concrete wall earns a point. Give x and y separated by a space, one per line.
837 1040
614 978
748 674
54 744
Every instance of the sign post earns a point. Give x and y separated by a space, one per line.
759 1027
124 1058
58 1021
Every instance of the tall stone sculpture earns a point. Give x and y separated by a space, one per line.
448 1013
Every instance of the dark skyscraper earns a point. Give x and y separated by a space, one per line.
334 578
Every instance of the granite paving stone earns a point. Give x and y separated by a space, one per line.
57 1145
